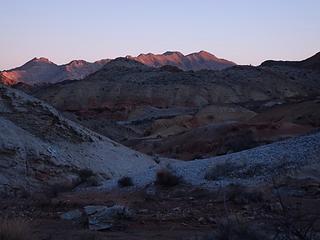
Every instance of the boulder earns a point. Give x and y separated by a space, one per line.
103 217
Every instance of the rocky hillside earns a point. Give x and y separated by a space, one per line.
194 61
172 113
39 148
42 71
125 84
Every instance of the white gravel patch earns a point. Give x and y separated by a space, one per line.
272 160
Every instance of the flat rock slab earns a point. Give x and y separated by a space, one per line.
103 217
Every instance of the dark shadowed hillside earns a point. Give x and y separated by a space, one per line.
309 63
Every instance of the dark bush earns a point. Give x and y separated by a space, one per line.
85 174
167 179
125 182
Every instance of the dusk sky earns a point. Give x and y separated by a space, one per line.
243 31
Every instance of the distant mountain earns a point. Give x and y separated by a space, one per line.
41 70
309 63
5 80
195 61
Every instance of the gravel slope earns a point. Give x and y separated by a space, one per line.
254 165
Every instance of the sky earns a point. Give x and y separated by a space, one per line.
243 31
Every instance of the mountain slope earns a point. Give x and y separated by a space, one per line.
41 70
195 61
39 148
5 80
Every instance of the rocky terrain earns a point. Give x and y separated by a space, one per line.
271 192
40 149
187 115
228 154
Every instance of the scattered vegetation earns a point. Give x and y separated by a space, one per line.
237 230
167 179
229 170
89 178
125 182
220 171
239 194
291 223
14 229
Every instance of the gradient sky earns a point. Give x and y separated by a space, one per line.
244 31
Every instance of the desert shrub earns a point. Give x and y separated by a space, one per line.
14 229
167 179
84 174
125 182
93 181
220 171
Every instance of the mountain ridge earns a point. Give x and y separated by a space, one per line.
312 62
42 71
193 61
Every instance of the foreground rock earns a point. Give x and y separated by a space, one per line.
103 218
99 218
